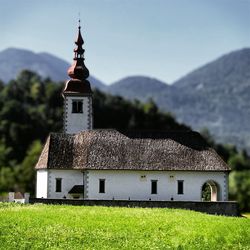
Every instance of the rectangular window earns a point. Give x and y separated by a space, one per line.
77 106
58 185
101 186
153 186
180 187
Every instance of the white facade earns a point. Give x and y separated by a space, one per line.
131 184
136 185
46 183
76 122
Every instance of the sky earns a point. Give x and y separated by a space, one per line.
164 39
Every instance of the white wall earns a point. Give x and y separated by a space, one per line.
135 185
76 122
130 184
41 183
69 178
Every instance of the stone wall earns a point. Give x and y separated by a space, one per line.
219 208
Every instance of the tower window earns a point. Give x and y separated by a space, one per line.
102 186
180 187
58 185
153 186
77 106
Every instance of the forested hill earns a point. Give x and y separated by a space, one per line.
31 108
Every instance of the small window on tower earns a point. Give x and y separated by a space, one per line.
77 106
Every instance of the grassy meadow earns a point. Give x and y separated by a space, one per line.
78 227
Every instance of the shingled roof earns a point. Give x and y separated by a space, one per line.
109 149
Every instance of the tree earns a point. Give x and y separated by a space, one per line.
26 171
207 136
239 162
4 154
1 85
7 179
206 192
239 188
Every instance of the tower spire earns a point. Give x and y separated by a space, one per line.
78 72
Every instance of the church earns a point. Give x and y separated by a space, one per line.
106 164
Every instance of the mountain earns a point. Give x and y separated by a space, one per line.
13 60
215 96
144 88
232 70
138 87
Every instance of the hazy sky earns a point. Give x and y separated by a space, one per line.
159 38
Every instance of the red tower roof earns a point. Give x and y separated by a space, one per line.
78 72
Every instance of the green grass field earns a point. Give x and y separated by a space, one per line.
78 227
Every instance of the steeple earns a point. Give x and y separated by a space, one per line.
78 72
77 93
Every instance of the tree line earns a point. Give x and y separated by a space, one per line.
32 107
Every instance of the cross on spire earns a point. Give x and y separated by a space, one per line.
79 23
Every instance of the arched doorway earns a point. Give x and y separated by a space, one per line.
210 191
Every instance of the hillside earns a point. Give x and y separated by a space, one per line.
215 96
138 87
78 227
13 61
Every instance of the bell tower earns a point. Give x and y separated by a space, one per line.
77 93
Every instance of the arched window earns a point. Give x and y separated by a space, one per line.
210 191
